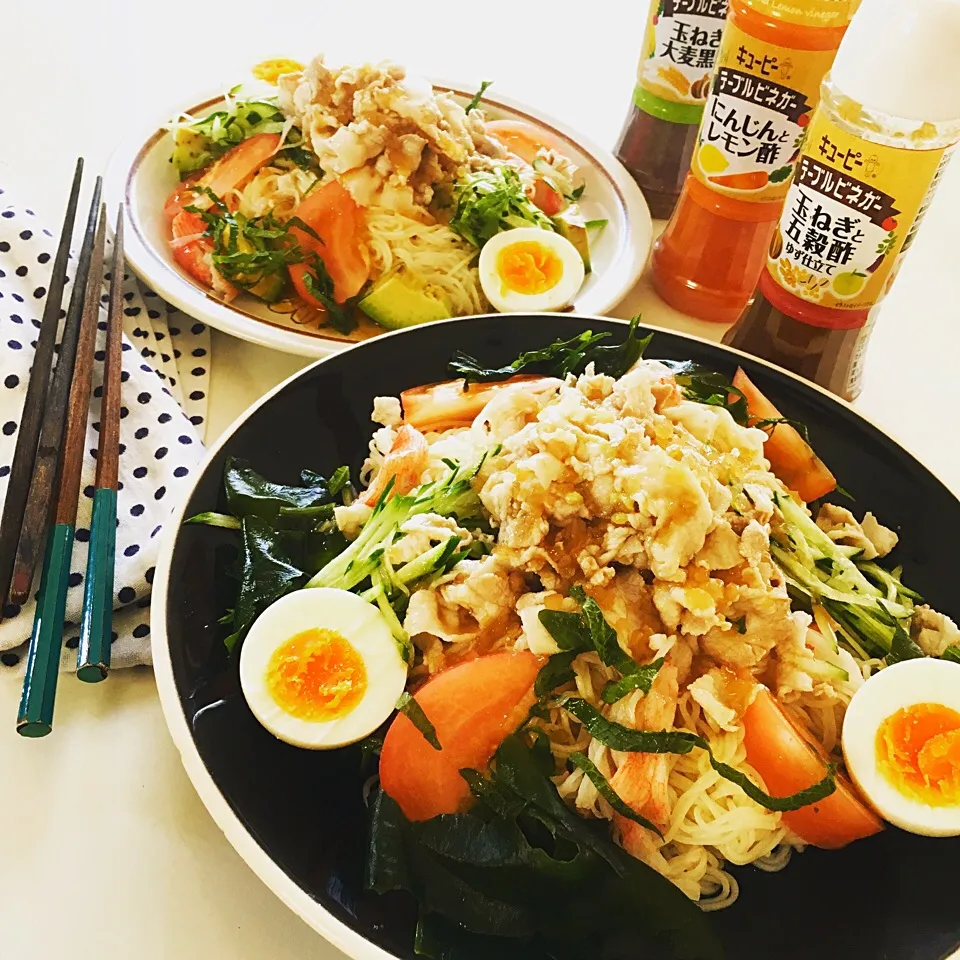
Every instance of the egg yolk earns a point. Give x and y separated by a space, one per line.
529 267
317 675
270 71
918 752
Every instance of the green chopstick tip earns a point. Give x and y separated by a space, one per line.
93 654
92 673
33 728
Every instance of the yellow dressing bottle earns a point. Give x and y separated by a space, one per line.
875 151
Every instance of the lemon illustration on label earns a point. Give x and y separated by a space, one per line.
846 285
711 159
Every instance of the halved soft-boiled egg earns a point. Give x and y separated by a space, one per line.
901 743
321 669
530 270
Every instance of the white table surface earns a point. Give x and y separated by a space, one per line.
106 851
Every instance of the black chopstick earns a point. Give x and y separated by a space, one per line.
36 516
24 455
93 655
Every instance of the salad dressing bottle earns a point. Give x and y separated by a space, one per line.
773 57
679 52
877 147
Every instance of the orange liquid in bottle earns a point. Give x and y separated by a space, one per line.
708 260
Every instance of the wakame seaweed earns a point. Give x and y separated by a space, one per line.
250 494
287 534
520 874
563 357
266 576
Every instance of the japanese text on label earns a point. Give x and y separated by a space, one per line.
681 47
762 98
715 9
873 203
818 236
688 45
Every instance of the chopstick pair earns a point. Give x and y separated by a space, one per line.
49 454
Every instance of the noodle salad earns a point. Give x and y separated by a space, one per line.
360 195
621 646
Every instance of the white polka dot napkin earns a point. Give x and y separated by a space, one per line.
166 372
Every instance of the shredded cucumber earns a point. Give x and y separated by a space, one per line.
867 603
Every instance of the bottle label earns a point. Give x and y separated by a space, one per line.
852 211
679 54
807 13
753 125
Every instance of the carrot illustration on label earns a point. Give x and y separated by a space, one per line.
750 180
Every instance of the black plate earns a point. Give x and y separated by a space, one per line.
892 897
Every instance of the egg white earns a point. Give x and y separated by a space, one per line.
360 623
902 685
511 301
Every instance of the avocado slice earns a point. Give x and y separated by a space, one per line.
270 287
400 300
196 146
571 225
192 151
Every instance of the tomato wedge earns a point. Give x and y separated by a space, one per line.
524 140
337 219
473 707
230 172
238 165
443 406
791 458
789 761
546 198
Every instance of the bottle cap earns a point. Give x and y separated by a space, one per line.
902 58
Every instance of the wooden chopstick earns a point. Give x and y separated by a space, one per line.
96 622
25 453
45 471
35 717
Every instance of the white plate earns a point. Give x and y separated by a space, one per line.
141 176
